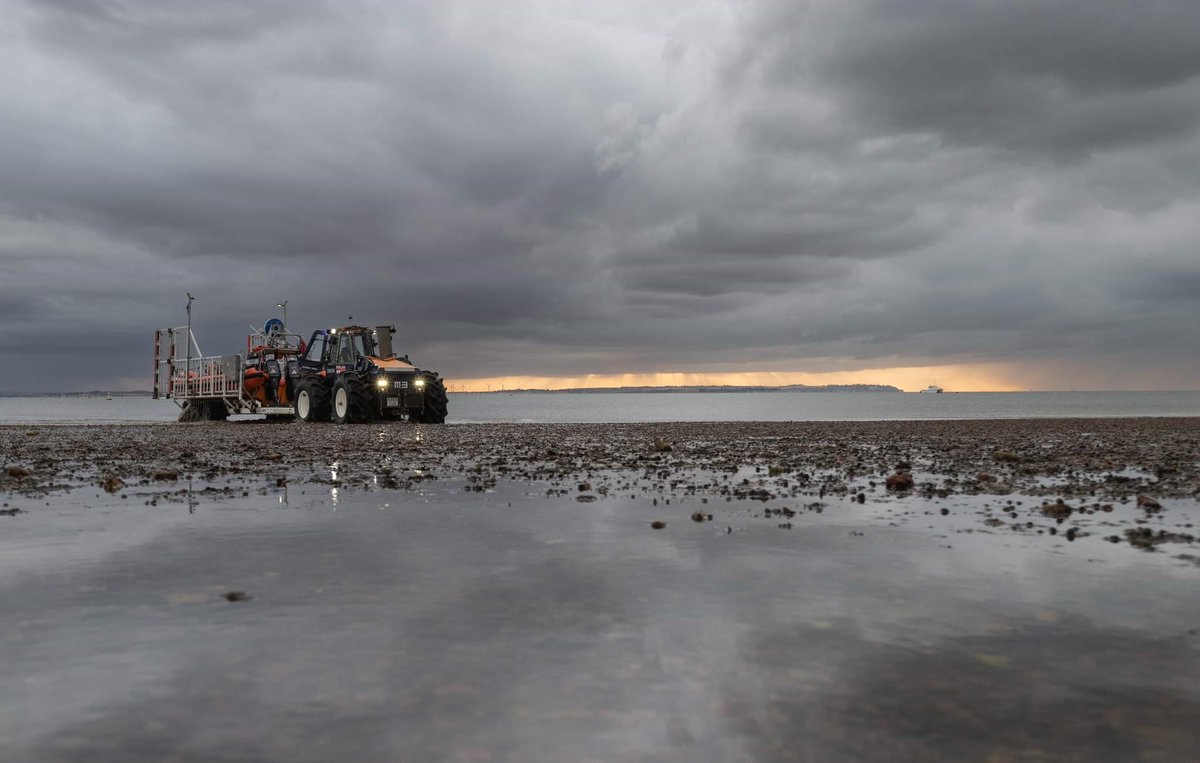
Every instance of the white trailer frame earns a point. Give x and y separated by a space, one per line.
183 376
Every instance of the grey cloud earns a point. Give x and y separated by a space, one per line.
536 189
852 230
708 279
1064 78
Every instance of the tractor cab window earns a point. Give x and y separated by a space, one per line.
316 350
364 344
345 350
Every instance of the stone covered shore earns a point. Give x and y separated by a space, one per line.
1104 457
1065 469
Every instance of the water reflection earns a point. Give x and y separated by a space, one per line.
1023 690
466 628
334 497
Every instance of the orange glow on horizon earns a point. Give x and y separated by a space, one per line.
954 378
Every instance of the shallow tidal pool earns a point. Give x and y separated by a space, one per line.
440 623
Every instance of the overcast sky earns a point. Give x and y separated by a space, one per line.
565 188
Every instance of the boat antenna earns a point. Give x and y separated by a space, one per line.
187 383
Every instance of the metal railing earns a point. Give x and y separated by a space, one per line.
212 376
283 341
180 377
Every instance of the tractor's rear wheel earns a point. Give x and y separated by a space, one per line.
436 403
312 401
352 401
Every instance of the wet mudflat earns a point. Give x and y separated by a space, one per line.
499 592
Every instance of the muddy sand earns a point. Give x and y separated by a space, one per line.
932 590
1066 470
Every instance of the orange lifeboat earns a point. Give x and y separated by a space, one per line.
253 382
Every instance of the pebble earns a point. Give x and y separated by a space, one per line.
1057 510
1148 503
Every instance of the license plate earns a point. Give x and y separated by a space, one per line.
393 402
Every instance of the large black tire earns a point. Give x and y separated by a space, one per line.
436 403
204 410
351 400
312 400
192 410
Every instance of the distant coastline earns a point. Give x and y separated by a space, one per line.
699 388
567 391
93 393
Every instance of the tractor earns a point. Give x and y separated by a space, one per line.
351 374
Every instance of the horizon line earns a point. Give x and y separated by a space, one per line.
450 387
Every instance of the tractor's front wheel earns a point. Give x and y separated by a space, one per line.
351 399
436 403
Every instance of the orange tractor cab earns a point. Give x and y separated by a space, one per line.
352 374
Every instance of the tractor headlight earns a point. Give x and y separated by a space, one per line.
382 382
419 383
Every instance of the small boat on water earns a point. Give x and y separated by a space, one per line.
932 388
108 396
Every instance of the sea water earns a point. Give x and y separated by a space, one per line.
437 623
544 407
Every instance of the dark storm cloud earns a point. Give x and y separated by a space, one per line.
556 189
1065 78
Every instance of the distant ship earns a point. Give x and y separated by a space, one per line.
933 388
108 396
